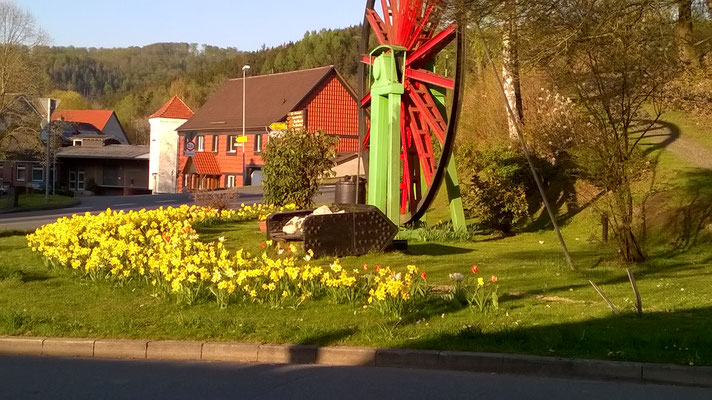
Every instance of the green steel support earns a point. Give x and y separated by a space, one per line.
457 211
384 161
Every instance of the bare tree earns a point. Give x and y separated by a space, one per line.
21 75
614 57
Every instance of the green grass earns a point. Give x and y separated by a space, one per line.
545 308
36 200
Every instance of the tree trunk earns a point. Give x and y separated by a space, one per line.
510 71
630 251
688 55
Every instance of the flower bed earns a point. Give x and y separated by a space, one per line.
163 248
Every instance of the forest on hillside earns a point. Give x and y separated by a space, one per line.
136 81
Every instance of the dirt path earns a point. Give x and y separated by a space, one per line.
673 140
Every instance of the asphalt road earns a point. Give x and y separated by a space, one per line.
94 204
56 378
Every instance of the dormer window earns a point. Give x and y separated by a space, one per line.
77 142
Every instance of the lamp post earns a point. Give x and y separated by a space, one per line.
244 85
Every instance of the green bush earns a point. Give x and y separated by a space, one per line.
295 161
493 184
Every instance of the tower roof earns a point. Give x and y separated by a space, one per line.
175 108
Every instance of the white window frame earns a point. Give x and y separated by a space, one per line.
41 174
17 172
201 143
230 181
232 144
216 144
258 143
81 180
77 142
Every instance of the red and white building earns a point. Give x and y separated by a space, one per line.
314 99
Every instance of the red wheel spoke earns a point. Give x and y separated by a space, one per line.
421 139
423 100
420 26
432 78
366 59
366 101
387 17
427 51
379 27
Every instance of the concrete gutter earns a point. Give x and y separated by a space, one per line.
359 356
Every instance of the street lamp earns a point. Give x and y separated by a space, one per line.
244 84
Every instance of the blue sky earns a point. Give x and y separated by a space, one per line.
243 24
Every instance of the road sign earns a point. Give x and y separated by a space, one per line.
278 126
241 139
189 149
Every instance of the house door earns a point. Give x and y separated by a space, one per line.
72 180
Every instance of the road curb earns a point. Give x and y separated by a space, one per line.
495 363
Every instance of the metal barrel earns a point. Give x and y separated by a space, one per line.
345 192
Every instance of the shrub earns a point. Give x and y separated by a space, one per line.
295 161
219 200
493 184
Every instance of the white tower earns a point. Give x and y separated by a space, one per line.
163 164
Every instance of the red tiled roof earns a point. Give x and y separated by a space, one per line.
98 118
175 108
205 164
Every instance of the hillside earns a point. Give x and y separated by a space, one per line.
135 81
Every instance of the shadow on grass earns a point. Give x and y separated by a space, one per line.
435 249
22 276
669 337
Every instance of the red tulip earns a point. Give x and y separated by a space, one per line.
494 278
378 268
424 275
365 267
262 245
474 269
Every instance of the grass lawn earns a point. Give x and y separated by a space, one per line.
545 308
36 200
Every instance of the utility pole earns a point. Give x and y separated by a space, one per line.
244 139
49 105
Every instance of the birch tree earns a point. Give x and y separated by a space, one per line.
21 74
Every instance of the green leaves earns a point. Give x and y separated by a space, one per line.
295 162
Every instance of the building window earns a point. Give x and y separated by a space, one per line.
37 174
20 173
230 181
110 175
258 143
201 143
216 142
232 144
77 142
2 176
80 180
